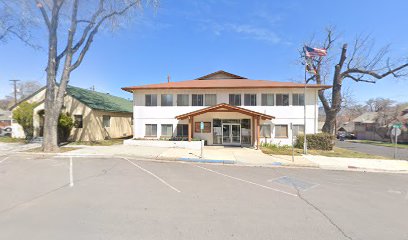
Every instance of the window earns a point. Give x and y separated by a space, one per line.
250 99
267 99
106 120
151 130
298 129
78 121
282 99
167 100
210 99
150 100
207 127
298 99
197 100
266 130
281 131
182 130
235 99
167 130
182 100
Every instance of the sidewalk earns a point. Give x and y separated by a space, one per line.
240 156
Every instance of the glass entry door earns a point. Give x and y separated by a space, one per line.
231 134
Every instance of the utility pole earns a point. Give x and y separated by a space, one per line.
15 89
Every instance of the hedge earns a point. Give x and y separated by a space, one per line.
319 141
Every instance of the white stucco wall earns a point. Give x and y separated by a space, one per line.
166 114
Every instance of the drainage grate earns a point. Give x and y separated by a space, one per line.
296 183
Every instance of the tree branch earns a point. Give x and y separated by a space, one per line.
95 30
44 14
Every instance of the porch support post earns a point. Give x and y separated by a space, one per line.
189 128
258 132
253 127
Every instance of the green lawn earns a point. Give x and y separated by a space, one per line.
12 140
384 144
109 142
336 152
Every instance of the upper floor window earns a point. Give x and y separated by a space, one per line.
298 99
210 99
151 100
197 99
182 100
267 99
106 120
250 99
167 100
235 99
282 99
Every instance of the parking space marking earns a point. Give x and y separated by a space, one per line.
249 182
71 173
154 175
4 159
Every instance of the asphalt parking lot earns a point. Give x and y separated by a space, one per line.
116 198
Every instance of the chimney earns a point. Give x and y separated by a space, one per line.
168 78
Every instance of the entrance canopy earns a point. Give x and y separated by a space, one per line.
223 107
226 108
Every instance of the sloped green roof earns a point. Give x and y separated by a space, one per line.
100 101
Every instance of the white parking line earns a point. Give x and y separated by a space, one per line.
71 173
154 175
246 181
4 159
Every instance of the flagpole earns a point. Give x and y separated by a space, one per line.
304 113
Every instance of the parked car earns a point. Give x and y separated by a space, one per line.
5 132
345 135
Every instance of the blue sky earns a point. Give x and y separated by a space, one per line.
257 39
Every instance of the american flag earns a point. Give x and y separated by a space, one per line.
314 52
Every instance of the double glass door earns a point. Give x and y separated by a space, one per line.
231 134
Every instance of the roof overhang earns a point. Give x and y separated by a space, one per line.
223 107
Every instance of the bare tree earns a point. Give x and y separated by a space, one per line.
27 88
74 25
16 21
361 64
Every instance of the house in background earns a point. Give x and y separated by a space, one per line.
365 127
224 109
5 118
97 116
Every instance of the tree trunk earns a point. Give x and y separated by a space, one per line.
50 143
330 122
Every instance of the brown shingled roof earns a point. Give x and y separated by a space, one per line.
224 84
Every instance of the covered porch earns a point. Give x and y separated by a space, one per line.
224 124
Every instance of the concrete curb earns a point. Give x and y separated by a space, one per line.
199 160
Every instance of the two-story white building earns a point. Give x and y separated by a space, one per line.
224 109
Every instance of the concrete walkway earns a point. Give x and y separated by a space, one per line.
242 156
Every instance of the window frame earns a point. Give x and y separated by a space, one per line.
103 121
234 95
166 125
264 97
282 95
78 123
205 99
287 130
250 98
152 103
164 97
196 97
152 125
263 126
298 125
179 98
298 102
182 130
